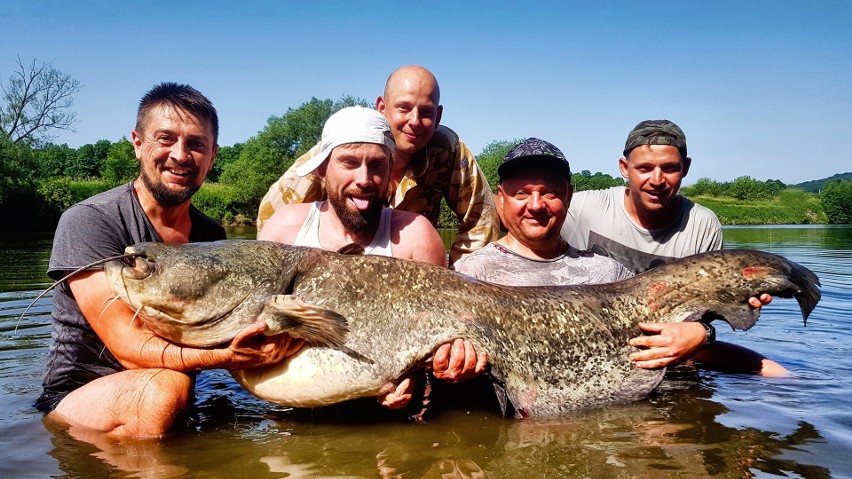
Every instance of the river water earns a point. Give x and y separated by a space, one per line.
705 424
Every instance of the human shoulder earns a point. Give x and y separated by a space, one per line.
284 225
445 138
204 228
415 238
701 213
702 226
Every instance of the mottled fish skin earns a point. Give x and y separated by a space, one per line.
555 349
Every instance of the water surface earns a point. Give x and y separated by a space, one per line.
704 424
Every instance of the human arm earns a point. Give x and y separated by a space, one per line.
731 357
668 344
135 346
472 201
290 188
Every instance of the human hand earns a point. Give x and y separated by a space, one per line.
458 361
762 301
400 396
667 344
250 347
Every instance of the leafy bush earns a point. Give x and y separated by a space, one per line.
837 200
585 180
121 164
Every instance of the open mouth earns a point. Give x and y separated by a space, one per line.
136 266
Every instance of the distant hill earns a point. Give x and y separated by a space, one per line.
814 186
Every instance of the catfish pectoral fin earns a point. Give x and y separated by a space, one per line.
316 325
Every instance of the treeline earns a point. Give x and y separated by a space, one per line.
746 200
38 182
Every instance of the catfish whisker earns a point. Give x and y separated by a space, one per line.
135 315
107 303
64 278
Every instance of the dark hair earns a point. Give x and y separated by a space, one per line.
179 96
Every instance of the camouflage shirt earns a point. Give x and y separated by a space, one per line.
444 169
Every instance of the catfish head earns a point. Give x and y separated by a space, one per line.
202 294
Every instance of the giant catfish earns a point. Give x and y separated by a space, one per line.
372 319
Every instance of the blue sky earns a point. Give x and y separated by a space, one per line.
761 88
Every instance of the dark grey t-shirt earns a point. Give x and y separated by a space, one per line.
93 229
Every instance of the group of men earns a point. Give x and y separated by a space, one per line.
377 179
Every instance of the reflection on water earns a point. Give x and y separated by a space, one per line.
695 425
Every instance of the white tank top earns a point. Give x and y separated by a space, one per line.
380 246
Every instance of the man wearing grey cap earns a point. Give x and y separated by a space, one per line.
646 224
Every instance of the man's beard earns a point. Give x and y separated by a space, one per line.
355 220
165 196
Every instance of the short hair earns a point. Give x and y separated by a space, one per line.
179 96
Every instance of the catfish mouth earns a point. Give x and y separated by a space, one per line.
137 266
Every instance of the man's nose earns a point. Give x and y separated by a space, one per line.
362 175
180 151
414 117
535 203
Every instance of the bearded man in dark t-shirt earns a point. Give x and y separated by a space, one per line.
105 371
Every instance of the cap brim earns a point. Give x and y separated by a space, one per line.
312 164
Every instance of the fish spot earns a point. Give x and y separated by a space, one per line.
751 272
656 290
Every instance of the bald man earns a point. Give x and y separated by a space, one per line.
430 162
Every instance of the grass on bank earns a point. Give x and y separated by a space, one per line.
791 206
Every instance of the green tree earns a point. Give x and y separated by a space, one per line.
585 180
225 156
55 160
265 157
36 102
491 157
744 188
121 164
17 169
90 160
836 200
703 187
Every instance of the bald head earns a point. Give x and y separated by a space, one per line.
411 104
413 76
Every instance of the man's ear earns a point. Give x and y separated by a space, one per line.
380 105
623 166
136 140
438 116
687 162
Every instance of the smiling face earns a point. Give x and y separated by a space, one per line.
356 181
534 205
654 173
176 151
411 106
